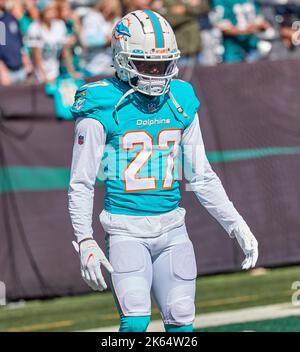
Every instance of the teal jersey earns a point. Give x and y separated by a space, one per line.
239 13
143 137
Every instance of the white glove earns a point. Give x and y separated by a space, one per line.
91 258
248 243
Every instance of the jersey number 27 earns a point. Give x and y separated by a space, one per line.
166 138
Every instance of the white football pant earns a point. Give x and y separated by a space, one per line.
163 266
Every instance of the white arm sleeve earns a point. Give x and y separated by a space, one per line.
203 180
86 160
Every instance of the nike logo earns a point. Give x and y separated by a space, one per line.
89 257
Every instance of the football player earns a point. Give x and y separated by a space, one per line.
240 21
139 123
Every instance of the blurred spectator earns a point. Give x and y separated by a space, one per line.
133 5
46 38
288 17
59 42
72 49
240 22
96 36
12 57
183 17
212 41
25 12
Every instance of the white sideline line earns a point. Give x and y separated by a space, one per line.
273 311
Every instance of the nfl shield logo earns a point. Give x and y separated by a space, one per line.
79 103
80 140
151 107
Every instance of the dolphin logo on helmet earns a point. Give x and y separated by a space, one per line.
121 30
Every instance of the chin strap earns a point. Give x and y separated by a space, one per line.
132 90
177 106
115 113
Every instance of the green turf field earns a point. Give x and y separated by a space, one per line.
289 324
214 294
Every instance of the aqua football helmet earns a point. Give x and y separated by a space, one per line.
145 52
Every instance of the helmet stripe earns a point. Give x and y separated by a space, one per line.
158 33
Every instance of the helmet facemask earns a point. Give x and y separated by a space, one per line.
150 76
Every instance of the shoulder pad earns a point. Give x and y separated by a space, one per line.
90 99
186 97
97 100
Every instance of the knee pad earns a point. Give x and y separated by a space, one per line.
180 308
134 324
182 311
132 296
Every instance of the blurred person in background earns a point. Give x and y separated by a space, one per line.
285 21
183 17
97 27
70 62
211 39
47 37
25 12
268 9
240 22
288 17
14 62
132 5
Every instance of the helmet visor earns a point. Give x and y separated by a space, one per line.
153 68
